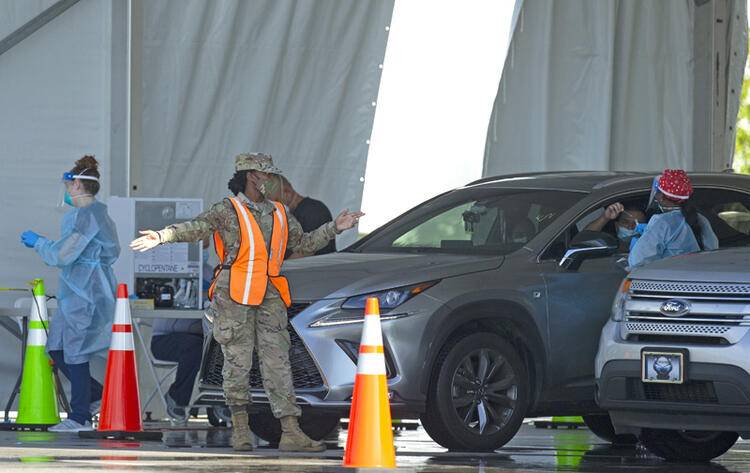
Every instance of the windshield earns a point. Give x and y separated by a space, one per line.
482 221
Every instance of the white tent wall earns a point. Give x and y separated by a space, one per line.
54 97
610 85
15 13
294 79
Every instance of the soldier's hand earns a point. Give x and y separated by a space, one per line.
347 220
150 239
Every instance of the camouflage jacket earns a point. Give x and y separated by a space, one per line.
222 217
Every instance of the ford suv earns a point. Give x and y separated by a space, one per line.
674 360
492 296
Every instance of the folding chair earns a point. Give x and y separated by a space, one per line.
153 364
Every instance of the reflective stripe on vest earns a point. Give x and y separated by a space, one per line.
254 265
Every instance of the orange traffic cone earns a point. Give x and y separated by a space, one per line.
369 443
120 417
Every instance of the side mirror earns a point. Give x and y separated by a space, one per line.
588 244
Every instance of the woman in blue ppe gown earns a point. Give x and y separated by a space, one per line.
678 228
85 252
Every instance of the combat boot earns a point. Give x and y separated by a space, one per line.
294 440
241 437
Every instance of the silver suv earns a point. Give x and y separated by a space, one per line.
493 297
673 365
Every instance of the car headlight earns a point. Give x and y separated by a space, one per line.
390 298
353 309
618 306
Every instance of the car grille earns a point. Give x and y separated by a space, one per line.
677 289
675 328
697 392
712 308
305 374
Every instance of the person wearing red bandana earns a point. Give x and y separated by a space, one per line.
677 228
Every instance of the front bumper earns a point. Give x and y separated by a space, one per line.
714 397
323 351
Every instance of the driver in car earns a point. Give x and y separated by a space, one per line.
626 220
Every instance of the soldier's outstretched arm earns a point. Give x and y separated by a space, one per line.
199 228
308 243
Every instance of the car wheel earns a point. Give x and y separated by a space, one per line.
478 394
601 426
219 416
317 426
686 445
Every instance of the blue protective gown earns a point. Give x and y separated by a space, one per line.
85 252
668 234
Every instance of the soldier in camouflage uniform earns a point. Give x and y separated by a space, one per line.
239 328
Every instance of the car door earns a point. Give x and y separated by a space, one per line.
579 304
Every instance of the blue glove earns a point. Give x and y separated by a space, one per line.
29 238
641 228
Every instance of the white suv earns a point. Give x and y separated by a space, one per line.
673 365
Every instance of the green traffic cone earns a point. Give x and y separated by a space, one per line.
37 404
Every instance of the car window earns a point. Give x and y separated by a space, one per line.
729 214
498 223
558 247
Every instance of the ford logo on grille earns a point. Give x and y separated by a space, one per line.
675 308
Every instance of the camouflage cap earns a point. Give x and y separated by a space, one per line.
255 162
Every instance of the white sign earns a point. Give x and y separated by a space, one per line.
163 259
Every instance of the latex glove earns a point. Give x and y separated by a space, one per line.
347 220
150 239
640 228
29 238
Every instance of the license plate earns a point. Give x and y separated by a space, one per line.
663 367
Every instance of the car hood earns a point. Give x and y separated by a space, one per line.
728 265
338 275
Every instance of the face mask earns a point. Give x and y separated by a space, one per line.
68 199
268 187
623 233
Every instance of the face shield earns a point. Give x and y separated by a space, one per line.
65 198
654 189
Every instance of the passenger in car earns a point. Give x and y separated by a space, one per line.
626 221
677 228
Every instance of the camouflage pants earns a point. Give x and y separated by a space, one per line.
238 329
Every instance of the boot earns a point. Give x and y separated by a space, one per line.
294 440
241 437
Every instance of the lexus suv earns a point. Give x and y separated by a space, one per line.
492 296
673 365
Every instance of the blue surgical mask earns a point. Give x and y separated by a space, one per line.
623 233
68 199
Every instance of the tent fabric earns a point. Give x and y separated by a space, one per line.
597 85
294 79
14 13
53 97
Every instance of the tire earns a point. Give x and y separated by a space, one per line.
218 416
317 426
681 445
459 397
601 426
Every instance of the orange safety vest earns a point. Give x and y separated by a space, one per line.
254 265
